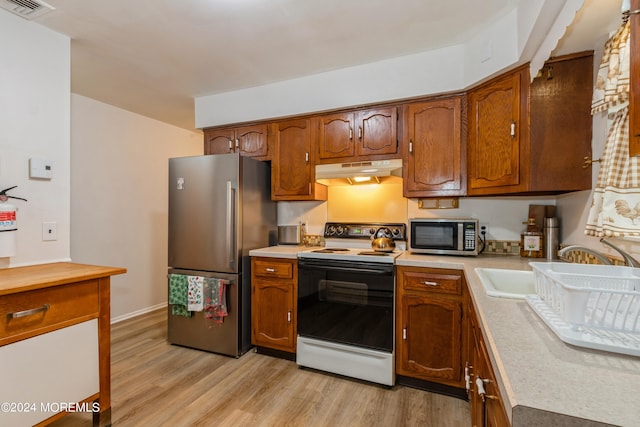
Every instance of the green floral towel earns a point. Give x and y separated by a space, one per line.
178 289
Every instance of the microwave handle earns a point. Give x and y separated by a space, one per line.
460 235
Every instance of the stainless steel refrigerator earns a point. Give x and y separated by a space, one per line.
220 208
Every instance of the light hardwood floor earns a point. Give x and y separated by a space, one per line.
158 384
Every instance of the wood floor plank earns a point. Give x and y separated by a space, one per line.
155 383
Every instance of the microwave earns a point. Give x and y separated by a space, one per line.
443 236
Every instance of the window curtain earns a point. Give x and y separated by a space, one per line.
615 207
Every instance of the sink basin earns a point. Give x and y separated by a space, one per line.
503 283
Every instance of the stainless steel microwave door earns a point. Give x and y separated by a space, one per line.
203 213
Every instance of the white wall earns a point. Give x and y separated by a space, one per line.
34 123
119 175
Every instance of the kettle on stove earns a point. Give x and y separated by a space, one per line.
381 240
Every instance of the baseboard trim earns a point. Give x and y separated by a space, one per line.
138 313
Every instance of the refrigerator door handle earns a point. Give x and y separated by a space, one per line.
231 224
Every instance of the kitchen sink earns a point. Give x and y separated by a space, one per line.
503 283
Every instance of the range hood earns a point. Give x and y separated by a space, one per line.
375 171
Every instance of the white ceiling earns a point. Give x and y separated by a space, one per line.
153 57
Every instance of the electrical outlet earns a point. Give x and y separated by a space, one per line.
49 231
484 229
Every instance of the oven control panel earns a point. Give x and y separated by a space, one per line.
396 231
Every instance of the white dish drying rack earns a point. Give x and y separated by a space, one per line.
592 306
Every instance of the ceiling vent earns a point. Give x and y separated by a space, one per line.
28 9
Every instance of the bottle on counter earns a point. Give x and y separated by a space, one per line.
551 232
532 241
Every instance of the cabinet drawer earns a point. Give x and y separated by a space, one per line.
30 313
278 269
439 282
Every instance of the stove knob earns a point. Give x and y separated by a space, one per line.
340 230
396 232
372 231
331 230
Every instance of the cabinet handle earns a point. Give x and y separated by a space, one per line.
513 129
404 333
426 282
237 144
26 313
270 270
410 146
289 316
306 157
482 392
350 132
231 145
360 132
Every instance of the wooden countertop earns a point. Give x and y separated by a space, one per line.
20 279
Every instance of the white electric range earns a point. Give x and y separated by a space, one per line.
346 297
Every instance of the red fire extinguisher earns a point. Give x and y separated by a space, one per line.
8 223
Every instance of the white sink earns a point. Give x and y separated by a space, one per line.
504 283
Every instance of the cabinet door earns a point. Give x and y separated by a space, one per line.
335 136
434 153
377 131
273 312
292 167
431 338
494 133
251 141
219 141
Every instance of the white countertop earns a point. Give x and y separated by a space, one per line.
543 381
280 251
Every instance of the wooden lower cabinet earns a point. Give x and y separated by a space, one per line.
274 283
487 409
430 326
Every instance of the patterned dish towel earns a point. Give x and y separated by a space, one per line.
178 289
215 299
194 296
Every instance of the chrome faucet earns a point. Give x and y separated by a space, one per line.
573 248
628 259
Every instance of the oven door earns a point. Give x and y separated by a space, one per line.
346 302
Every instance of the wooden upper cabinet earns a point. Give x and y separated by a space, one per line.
219 141
634 91
494 132
434 148
532 137
250 141
293 167
335 136
357 135
377 132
